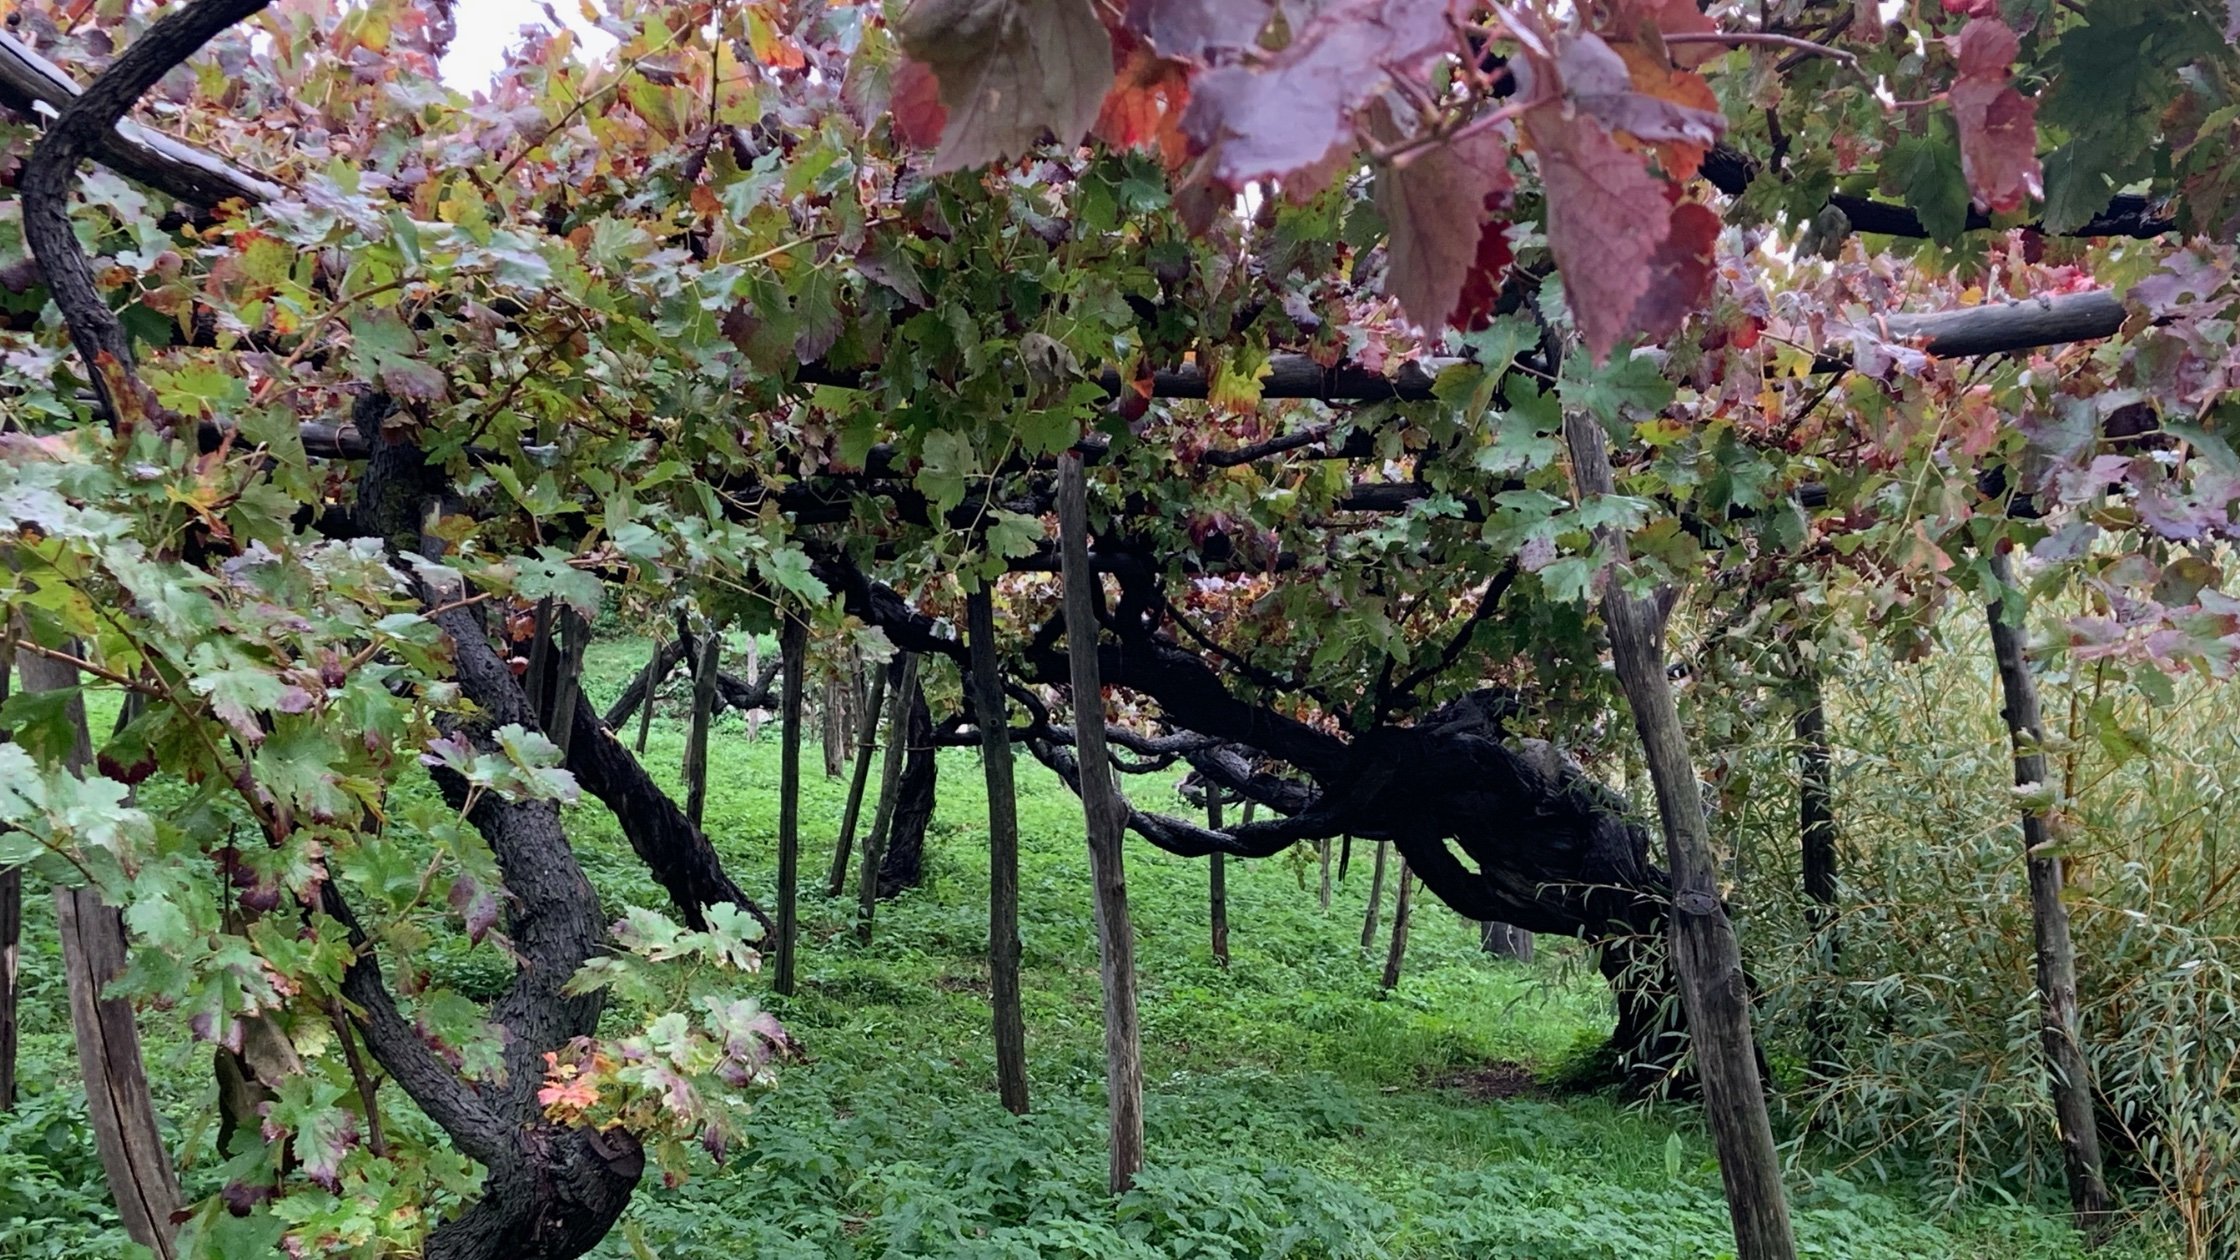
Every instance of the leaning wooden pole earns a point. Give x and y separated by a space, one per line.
1714 992
793 646
869 721
118 1100
1005 1012
1376 894
708 662
2058 1021
890 787
1107 820
1398 950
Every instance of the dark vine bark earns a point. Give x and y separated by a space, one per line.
1542 845
76 133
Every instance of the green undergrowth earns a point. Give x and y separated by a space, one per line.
1292 1109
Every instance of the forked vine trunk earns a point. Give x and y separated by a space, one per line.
2070 1076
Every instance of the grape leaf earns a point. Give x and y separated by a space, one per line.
1292 112
1144 107
1632 262
1201 30
1631 20
1998 125
1439 204
1008 70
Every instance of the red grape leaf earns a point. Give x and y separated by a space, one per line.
916 105
1293 111
1201 30
1600 81
1685 91
1624 20
1998 125
1631 261
1436 202
1146 102
1009 70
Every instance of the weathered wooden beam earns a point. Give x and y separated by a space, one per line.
29 81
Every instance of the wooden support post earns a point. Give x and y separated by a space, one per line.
1322 847
11 930
1008 1018
1713 990
1217 877
890 786
2070 1076
1107 821
1376 894
1398 947
118 1100
645 701
709 661
864 751
1816 826
793 646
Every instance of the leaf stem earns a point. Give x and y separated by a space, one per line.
1767 38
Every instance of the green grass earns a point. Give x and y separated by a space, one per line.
1291 1108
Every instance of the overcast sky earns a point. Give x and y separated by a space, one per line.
487 27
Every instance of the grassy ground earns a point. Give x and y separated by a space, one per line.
1292 1109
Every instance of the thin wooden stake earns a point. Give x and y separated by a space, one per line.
1008 1018
864 752
890 787
2070 1075
703 716
11 931
1399 947
1217 875
793 645
645 702
1323 847
118 1099
1107 820
1816 826
1376 894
